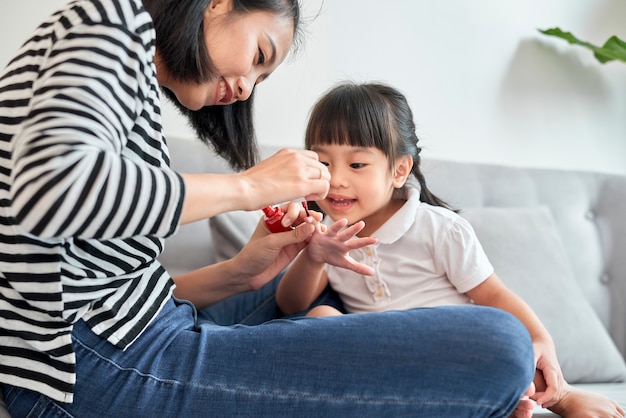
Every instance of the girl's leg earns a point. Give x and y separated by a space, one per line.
450 361
253 308
323 310
249 308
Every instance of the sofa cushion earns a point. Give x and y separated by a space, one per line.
525 248
231 231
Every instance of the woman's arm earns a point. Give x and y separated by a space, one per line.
257 263
285 176
88 161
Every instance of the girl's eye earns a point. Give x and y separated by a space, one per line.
357 165
261 60
325 163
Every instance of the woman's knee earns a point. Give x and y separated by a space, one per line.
510 345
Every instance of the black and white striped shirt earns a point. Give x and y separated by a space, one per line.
86 192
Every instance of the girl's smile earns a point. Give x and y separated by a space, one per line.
340 203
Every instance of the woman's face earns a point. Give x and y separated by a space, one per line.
244 49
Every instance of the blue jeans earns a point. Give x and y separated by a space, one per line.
463 361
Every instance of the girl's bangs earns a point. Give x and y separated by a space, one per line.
346 117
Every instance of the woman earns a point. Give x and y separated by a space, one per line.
89 325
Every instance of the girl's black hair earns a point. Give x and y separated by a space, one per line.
369 115
179 26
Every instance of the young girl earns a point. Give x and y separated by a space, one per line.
426 254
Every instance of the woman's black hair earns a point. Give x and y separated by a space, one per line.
369 115
179 26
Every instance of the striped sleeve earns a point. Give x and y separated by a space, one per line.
73 175
86 192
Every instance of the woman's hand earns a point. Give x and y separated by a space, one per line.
332 245
267 254
287 175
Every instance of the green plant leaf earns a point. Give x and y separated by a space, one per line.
613 49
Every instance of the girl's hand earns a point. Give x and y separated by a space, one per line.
525 405
287 175
548 365
332 245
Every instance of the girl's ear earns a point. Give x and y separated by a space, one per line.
402 170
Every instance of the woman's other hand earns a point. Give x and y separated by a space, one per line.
258 262
267 254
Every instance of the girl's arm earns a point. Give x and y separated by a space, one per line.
492 292
303 281
306 279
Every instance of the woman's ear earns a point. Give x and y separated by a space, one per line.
216 9
402 170
220 5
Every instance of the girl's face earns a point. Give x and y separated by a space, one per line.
361 184
244 50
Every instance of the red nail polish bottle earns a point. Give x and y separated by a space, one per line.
273 217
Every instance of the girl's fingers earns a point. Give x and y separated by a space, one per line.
351 231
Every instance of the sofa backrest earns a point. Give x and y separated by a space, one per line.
587 208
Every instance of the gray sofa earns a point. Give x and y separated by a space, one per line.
557 238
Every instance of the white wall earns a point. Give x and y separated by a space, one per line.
484 84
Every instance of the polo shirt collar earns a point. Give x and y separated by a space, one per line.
401 221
